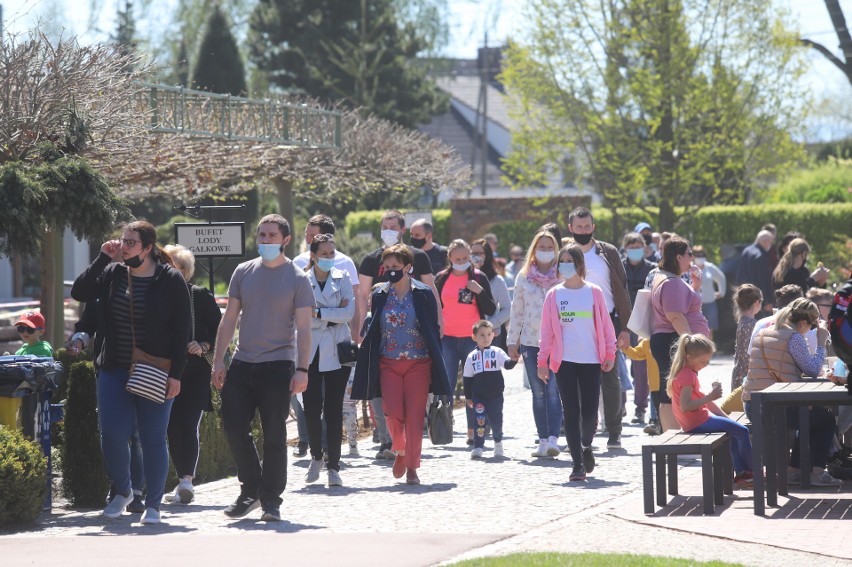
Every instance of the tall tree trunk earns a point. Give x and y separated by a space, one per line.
286 209
51 280
57 339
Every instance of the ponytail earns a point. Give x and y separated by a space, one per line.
692 345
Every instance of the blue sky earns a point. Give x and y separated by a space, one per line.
469 21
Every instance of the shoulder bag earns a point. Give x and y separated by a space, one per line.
641 319
148 373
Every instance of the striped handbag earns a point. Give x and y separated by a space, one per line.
149 374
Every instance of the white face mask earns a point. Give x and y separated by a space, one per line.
700 262
545 256
390 237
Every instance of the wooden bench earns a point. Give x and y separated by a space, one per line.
716 465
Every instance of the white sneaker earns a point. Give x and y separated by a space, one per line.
151 516
314 471
172 496
185 492
353 451
476 453
552 447
116 506
334 478
542 449
498 448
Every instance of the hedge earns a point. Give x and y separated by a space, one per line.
23 478
826 227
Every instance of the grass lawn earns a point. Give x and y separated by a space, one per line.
585 560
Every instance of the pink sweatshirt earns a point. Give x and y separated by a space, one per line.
550 341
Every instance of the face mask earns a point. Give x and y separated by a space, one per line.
647 238
567 270
477 260
545 256
461 267
269 252
418 242
395 275
134 262
325 264
653 246
583 239
390 237
634 254
700 262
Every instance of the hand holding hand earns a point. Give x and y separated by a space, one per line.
513 353
623 339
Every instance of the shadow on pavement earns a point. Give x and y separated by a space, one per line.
591 483
284 527
681 506
403 488
815 509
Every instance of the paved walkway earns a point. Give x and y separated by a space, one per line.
464 508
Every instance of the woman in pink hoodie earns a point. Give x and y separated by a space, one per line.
577 343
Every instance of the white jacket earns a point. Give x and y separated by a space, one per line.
333 325
525 318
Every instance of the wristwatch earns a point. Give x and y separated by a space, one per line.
300 369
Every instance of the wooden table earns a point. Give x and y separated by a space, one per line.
769 430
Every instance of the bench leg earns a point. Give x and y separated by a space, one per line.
728 469
648 479
671 461
805 445
718 474
707 479
660 464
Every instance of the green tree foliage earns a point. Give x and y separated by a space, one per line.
23 478
355 51
218 66
84 479
826 182
657 112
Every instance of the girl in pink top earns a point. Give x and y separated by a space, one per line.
696 412
577 342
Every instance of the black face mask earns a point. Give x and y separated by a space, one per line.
134 262
648 239
418 242
583 239
395 275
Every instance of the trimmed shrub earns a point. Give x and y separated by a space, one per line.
215 460
23 478
84 478
827 182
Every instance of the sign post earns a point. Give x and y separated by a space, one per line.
211 239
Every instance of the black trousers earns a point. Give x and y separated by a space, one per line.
325 396
262 387
183 438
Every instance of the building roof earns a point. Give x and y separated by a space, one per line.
465 89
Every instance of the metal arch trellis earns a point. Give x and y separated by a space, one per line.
178 110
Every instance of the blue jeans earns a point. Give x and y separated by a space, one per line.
740 442
580 388
547 407
455 351
488 410
301 423
119 414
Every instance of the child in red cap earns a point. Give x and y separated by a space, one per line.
31 328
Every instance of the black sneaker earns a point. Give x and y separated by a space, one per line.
270 514
578 474
300 450
242 506
614 442
137 506
639 417
588 459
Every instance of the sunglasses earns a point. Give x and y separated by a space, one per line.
690 254
23 329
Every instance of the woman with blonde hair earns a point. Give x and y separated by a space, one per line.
537 276
779 353
791 268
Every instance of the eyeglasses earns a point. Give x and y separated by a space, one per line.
128 242
23 329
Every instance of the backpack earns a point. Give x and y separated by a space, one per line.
840 323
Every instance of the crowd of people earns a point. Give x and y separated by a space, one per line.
317 334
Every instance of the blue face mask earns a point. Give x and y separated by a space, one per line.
269 252
567 270
653 246
461 267
325 264
635 254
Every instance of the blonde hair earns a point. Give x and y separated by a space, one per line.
453 246
183 256
531 250
692 345
797 247
800 310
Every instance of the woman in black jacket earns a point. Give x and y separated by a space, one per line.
131 280
194 398
400 358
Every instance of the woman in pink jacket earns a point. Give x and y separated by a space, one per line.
577 343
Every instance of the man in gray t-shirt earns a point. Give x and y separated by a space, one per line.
270 364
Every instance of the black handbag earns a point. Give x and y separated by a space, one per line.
439 421
347 353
